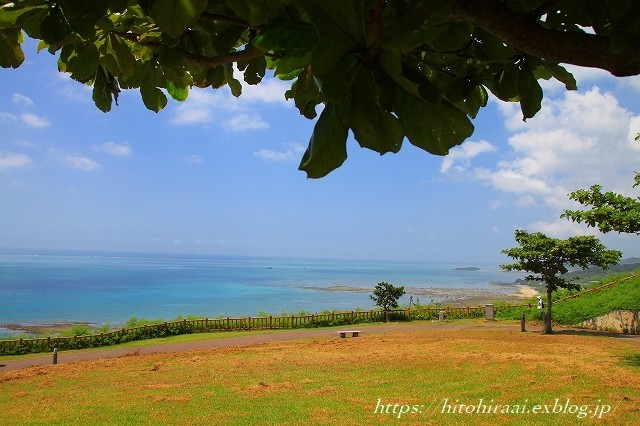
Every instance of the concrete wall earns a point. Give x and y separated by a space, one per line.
620 321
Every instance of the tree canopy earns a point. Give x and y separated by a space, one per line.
609 211
385 70
549 258
386 296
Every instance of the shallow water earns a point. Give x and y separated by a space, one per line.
38 288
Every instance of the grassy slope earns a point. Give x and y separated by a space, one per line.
625 295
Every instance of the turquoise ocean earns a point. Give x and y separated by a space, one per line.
52 287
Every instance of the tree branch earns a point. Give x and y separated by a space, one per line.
524 33
250 51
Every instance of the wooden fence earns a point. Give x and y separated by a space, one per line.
204 325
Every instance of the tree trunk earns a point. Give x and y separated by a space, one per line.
547 319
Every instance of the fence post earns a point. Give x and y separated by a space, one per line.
522 320
55 356
248 323
488 312
292 319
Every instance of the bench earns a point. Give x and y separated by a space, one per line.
354 333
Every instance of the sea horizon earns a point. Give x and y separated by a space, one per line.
97 287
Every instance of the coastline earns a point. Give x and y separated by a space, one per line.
454 297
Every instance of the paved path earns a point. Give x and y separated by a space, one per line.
279 336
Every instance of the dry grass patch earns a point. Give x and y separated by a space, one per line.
338 381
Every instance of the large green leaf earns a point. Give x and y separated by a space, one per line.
327 148
282 35
105 88
421 23
335 71
434 128
305 94
338 22
54 28
174 16
178 93
505 83
530 94
561 74
152 96
84 61
373 127
11 55
234 84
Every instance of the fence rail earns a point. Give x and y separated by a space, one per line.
203 325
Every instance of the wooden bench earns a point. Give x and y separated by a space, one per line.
354 333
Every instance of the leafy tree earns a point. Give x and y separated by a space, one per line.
385 70
548 258
386 296
609 211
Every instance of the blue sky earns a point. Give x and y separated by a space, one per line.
218 175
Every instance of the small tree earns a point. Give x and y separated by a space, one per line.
386 296
547 259
609 211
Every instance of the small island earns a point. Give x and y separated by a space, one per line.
467 268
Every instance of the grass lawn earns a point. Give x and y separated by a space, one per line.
345 381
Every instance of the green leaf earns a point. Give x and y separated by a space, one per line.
477 99
175 16
373 127
104 88
305 94
434 128
340 22
54 28
292 64
490 48
327 148
561 74
411 29
505 83
335 73
11 54
152 96
455 37
255 70
178 93
234 85
84 61
284 35
530 94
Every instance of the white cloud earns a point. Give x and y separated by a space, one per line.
207 106
112 148
242 122
562 228
6 117
199 108
293 152
270 90
576 141
11 160
33 120
23 100
78 162
193 159
464 153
